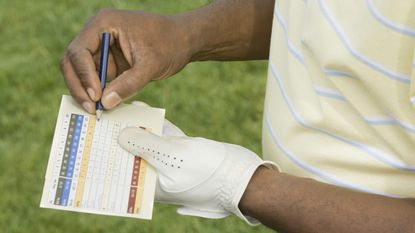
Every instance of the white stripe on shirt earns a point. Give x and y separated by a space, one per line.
403 78
388 23
374 152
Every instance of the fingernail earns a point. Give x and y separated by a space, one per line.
91 93
111 100
88 107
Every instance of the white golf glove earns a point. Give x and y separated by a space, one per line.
207 178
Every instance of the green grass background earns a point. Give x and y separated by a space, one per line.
217 100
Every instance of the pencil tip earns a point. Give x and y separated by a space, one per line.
99 114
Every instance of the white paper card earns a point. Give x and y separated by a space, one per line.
89 172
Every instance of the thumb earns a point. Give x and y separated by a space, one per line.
171 130
122 87
147 145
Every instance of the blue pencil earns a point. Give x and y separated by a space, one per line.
103 66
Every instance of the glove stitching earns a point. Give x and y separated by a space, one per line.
229 184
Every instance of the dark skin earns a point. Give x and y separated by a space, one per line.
146 47
293 204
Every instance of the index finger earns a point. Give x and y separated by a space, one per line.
85 70
75 87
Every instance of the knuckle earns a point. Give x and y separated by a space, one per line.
71 53
90 20
105 12
62 62
83 76
108 16
76 55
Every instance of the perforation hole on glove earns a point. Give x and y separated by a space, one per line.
140 149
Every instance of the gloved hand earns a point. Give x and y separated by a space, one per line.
207 178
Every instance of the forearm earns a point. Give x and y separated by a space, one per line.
293 204
229 30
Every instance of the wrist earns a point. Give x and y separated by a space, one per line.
219 31
256 190
197 34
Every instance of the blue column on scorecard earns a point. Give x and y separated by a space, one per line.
68 160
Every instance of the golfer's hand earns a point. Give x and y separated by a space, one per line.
144 47
207 178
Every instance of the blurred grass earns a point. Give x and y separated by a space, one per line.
221 101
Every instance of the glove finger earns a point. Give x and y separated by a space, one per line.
184 210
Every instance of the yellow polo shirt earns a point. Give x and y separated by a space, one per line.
340 83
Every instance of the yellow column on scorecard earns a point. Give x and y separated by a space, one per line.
140 186
85 159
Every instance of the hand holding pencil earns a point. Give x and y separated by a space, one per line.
143 47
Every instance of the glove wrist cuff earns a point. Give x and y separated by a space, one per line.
239 191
